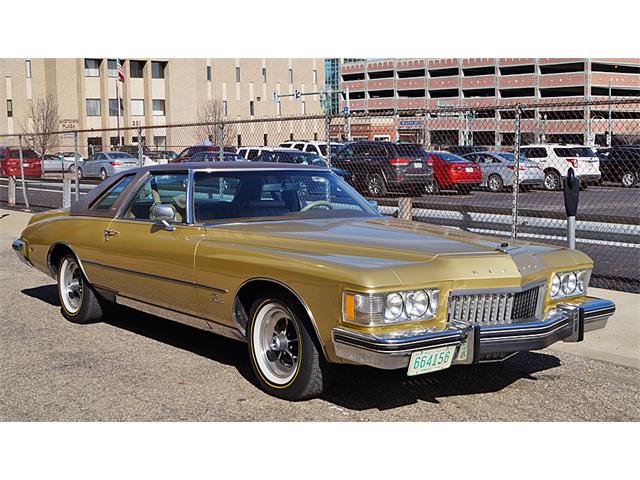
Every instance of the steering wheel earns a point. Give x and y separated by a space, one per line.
317 203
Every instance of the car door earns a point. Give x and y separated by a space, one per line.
143 260
89 168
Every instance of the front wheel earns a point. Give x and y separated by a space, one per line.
78 301
433 187
376 186
495 183
103 174
72 169
80 175
629 179
284 356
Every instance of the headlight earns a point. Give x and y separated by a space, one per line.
391 307
567 284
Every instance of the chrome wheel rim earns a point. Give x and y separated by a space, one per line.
70 284
276 344
628 179
550 181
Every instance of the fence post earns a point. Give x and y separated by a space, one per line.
140 151
327 134
221 155
24 185
516 183
11 194
75 165
405 208
66 191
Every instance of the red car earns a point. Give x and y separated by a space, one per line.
453 172
10 162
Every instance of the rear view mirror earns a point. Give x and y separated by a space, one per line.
163 214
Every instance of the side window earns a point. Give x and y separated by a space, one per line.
107 200
168 189
299 146
253 153
534 152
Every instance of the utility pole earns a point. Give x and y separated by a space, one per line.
516 186
609 131
347 111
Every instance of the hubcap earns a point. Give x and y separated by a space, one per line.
276 344
628 179
70 284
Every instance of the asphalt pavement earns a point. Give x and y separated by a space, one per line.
135 366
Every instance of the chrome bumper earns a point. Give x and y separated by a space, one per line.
19 247
474 343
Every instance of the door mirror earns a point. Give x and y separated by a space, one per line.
163 214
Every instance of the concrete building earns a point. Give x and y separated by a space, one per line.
404 84
162 91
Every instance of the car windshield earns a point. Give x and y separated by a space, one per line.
450 157
278 193
120 155
511 157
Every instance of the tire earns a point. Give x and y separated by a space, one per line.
552 180
103 174
629 179
286 360
433 187
376 186
495 183
78 301
80 175
72 169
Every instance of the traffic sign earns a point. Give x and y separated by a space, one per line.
274 96
345 110
297 94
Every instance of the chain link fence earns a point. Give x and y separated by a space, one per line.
492 169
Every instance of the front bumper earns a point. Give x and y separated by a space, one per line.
19 248
474 343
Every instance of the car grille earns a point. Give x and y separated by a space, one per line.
495 308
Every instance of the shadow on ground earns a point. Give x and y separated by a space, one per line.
354 387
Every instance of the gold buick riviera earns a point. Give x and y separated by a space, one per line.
293 261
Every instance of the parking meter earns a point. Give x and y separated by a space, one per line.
571 190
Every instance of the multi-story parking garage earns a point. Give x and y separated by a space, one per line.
402 85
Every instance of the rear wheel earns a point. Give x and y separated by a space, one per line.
433 187
285 359
103 174
629 179
552 180
80 174
78 300
495 183
376 186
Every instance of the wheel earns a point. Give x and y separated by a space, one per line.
629 179
103 174
78 300
376 186
433 187
80 176
552 180
72 169
495 183
285 359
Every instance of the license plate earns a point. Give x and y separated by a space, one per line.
432 360
26 165
469 169
417 165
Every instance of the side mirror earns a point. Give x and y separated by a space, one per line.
163 214
374 204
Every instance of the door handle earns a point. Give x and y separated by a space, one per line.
110 233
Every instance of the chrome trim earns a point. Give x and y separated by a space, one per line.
159 277
190 197
18 247
180 317
483 291
53 269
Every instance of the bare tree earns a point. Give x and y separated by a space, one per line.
42 120
211 115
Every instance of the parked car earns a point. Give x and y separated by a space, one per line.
70 159
287 155
317 147
189 151
379 167
620 164
555 159
167 155
499 170
250 153
10 162
452 172
59 163
330 282
150 157
215 157
106 164
461 150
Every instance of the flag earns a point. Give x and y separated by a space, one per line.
120 71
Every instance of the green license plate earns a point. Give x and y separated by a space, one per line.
432 360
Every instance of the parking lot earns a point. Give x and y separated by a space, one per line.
140 367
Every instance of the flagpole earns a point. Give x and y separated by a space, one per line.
118 100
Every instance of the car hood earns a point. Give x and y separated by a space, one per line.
401 248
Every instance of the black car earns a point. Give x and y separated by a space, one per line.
461 150
215 157
289 155
381 167
188 152
620 164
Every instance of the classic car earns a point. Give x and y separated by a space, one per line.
293 261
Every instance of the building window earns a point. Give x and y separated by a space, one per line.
92 67
27 68
137 107
113 141
113 107
279 108
264 74
265 137
136 69
112 68
239 140
160 141
224 108
157 107
238 74
315 76
94 144
208 73
251 109
157 69
93 107
291 75
9 108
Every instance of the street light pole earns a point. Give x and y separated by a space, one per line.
609 132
